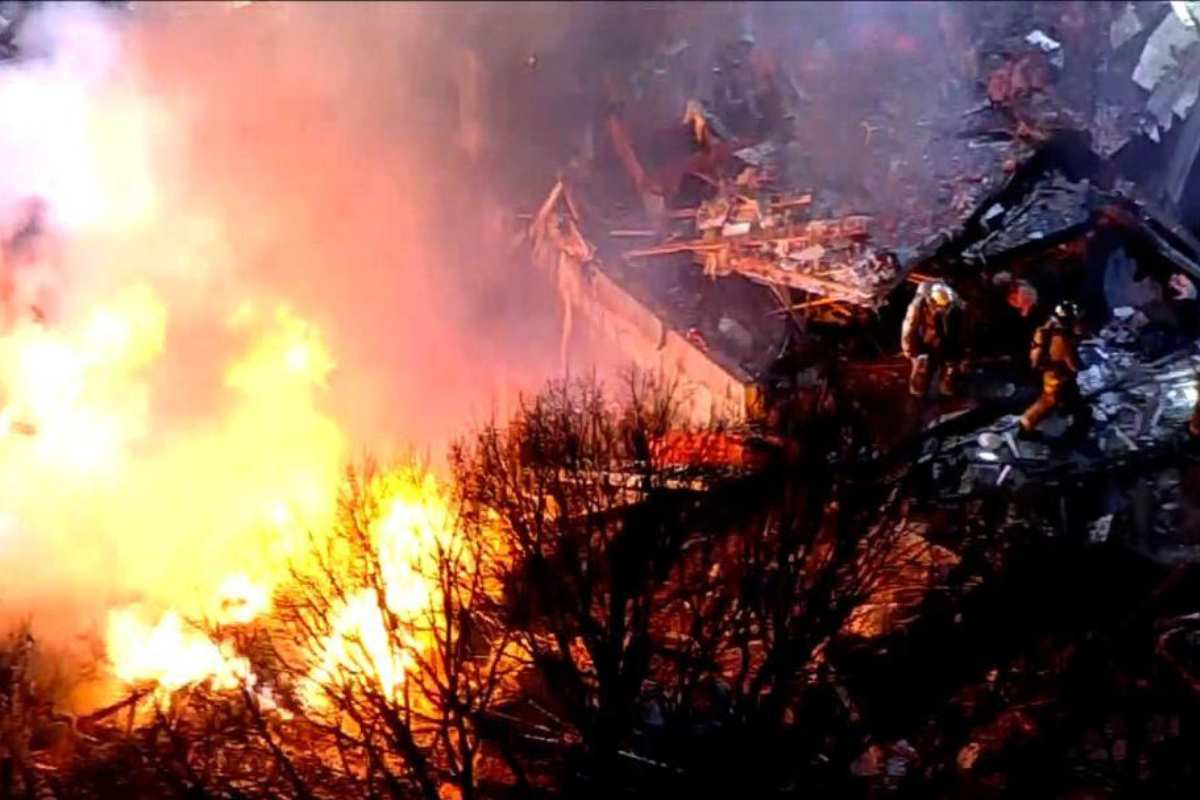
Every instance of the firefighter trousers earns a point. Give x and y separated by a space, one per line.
925 366
1063 396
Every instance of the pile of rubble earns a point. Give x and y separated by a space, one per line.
827 259
1011 165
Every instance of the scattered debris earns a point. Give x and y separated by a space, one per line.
1000 187
1099 530
1047 45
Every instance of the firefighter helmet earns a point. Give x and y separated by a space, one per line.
1067 311
941 294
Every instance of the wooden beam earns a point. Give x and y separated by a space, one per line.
824 301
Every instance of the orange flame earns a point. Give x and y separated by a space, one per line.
194 515
168 654
364 645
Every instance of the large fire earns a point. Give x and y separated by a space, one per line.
81 392
165 423
414 524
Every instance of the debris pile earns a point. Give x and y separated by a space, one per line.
1056 210
825 258
788 203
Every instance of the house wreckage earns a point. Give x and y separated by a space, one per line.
728 243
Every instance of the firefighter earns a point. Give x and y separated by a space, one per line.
931 338
1055 352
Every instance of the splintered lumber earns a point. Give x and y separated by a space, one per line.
764 271
817 231
807 304
701 176
822 257
693 246
802 200
777 205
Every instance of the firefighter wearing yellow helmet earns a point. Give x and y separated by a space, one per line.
1055 353
931 338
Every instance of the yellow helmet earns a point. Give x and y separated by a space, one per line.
1067 311
941 294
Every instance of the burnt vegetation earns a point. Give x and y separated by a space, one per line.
599 623
605 625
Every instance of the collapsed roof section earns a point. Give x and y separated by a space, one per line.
711 384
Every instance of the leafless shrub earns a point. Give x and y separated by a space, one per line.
650 610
